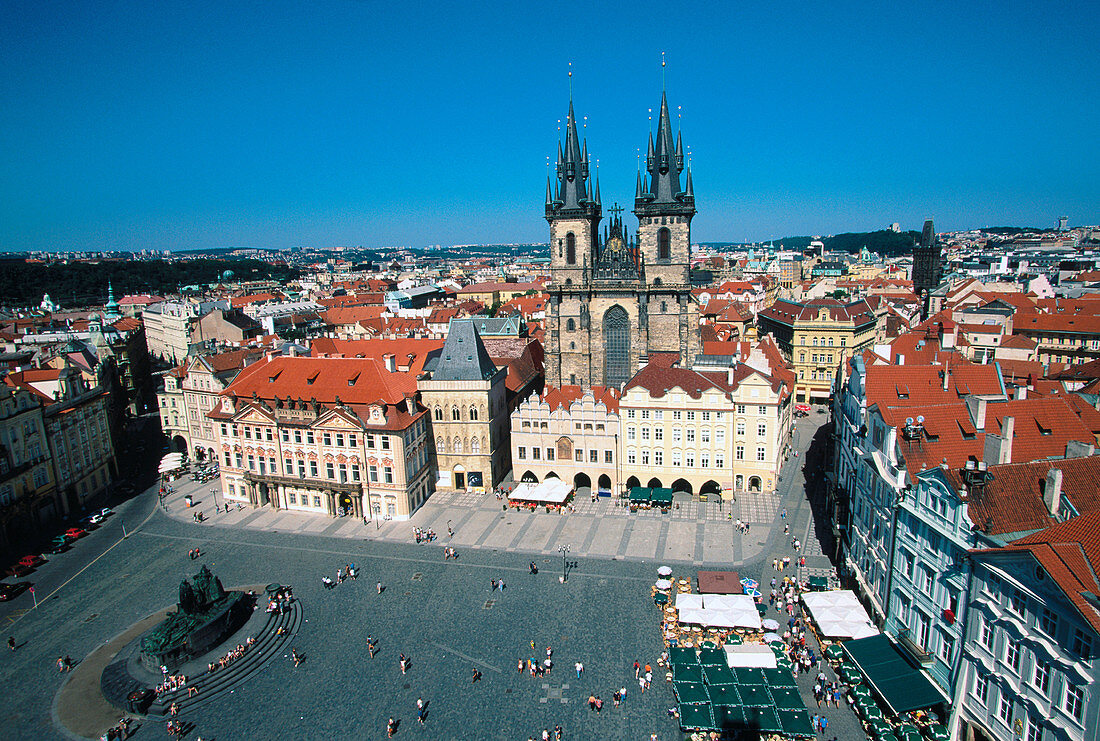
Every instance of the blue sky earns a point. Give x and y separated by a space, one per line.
274 124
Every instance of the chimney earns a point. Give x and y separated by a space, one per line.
900 359
1052 491
391 362
946 376
998 448
979 414
1021 393
410 403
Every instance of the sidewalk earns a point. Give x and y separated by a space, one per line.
695 532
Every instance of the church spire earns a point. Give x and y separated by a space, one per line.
573 191
664 165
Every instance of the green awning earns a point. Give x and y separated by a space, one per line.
819 583
639 494
687 673
749 675
779 678
718 674
754 695
764 719
797 723
682 655
834 652
724 694
728 717
787 698
661 496
892 675
691 693
660 599
712 657
696 718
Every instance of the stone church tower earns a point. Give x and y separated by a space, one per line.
615 300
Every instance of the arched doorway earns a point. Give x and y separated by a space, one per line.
344 504
459 476
654 483
211 455
529 477
179 445
682 485
616 347
553 475
200 453
755 485
633 482
604 482
710 489
580 481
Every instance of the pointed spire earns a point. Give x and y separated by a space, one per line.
549 193
638 189
597 196
688 189
679 147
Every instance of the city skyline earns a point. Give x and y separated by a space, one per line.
189 127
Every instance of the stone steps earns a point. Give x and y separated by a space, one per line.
212 685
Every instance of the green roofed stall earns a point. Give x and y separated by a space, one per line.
683 655
691 693
892 675
639 494
724 694
718 674
696 718
796 723
661 497
728 717
712 657
764 719
687 673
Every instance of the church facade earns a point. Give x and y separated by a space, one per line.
615 299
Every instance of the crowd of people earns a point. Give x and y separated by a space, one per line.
237 652
171 683
280 600
424 535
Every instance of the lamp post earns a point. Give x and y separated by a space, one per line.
564 551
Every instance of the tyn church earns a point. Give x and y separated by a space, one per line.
616 299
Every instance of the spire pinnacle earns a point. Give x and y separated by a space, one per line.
662 73
570 85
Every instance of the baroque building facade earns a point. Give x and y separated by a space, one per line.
613 298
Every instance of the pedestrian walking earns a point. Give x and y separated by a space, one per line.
824 724
11 642
379 586
391 728
580 668
476 676
637 668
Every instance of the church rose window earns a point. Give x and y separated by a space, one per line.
570 249
663 249
616 336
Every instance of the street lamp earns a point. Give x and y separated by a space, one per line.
564 550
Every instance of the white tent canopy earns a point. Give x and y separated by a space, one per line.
718 610
553 491
839 614
750 655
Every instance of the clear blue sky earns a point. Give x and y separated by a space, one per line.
126 125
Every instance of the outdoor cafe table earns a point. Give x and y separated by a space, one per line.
663 584
660 599
664 572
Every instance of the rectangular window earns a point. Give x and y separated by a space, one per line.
676 433
929 580
1034 730
608 457
536 453
578 455
658 433
549 454
352 441
302 468
740 408
676 414
387 472
706 416
1040 677
251 463
645 433
1080 643
761 429
658 415
1017 601
704 437
740 427
285 435
689 459
521 452
372 472
645 457
289 466
354 472
1012 655
1074 701
329 471
225 457
981 687
1048 622
313 469
370 441
385 440
630 414
298 436
719 460
720 436
658 457
761 454
704 460
947 645
761 409
690 435
691 416
630 434
339 439
309 437
987 633
739 453
1004 709
645 414
593 456
317 501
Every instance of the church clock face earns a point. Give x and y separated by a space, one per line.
615 250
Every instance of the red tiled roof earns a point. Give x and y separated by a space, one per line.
254 298
410 352
127 324
353 380
786 312
344 315
564 396
915 385
1018 342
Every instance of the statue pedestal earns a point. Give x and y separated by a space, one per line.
221 621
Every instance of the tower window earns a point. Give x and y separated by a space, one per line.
570 325
664 307
663 244
570 249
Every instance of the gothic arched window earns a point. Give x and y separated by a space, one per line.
457 446
570 249
439 413
473 414
475 445
455 413
616 343
664 239
440 446
570 325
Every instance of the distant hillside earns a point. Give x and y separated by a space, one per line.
85 283
884 242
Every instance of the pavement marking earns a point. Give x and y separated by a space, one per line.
471 659
467 564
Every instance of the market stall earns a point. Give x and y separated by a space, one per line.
549 491
838 614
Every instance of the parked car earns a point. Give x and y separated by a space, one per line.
76 532
11 591
105 512
60 544
26 564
